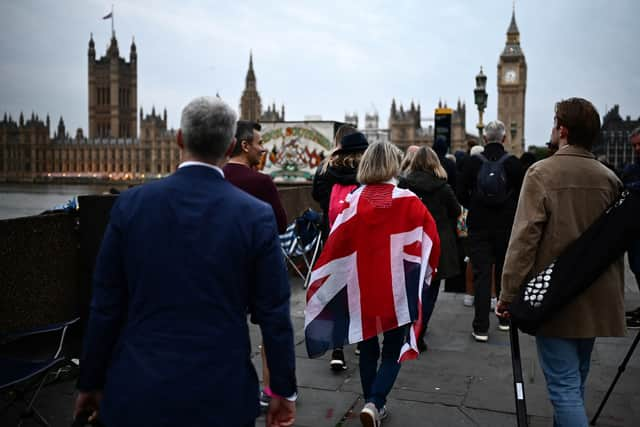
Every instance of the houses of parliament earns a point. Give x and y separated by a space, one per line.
113 149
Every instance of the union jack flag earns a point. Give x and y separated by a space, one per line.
382 249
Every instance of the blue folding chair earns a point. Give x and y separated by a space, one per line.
22 377
303 240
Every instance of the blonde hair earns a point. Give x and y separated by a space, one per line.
406 160
379 163
425 160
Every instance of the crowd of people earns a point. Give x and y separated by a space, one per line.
186 259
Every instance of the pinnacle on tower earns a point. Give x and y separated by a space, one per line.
513 27
92 47
251 75
133 52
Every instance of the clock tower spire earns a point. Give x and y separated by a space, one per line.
512 87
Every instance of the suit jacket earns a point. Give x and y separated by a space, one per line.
561 197
182 262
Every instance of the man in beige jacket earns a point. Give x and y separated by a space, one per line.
561 196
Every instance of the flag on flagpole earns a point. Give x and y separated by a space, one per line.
108 15
382 249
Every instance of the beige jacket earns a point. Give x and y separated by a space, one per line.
561 196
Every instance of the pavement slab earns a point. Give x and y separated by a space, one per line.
457 382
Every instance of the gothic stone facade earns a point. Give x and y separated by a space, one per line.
512 87
113 89
613 144
405 127
27 152
251 103
111 151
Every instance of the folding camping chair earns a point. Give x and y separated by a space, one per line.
24 370
303 240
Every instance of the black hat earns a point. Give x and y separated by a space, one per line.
353 143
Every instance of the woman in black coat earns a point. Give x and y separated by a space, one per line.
428 180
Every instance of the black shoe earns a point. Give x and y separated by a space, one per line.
265 399
633 323
633 313
337 360
422 345
480 336
503 324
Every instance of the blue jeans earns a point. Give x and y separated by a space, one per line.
565 363
377 382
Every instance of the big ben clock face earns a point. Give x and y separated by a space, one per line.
510 76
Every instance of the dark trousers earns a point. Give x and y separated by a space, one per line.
634 260
486 247
429 298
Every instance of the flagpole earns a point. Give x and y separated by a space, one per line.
113 31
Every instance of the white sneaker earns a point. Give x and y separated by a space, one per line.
369 416
468 300
480 336
494 301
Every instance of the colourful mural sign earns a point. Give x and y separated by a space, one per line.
294 150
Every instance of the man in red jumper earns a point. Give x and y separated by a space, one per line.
240 170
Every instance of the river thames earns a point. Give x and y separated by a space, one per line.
17 200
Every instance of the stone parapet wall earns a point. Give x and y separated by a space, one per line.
46 260
39 274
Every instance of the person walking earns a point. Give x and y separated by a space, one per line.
631 180
382 248
489 187
561 197
428 180
340 173
239 170
326 176
182 262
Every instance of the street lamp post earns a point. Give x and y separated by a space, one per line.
480 96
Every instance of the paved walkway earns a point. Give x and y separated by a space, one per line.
457 382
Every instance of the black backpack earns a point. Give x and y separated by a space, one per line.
491 183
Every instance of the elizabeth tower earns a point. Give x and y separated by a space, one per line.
512 87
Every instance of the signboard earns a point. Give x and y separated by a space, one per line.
295 149
442 128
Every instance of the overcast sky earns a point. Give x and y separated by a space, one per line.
323 57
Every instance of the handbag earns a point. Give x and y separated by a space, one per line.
579 265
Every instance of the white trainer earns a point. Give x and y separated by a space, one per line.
369 416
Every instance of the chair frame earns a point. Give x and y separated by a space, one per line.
20 387
297 249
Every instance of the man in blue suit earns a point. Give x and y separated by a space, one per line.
183 261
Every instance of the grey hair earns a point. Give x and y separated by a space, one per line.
634 132
494 131
208 125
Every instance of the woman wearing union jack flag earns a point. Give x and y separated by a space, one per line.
382 249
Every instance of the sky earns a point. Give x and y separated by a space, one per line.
323 58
